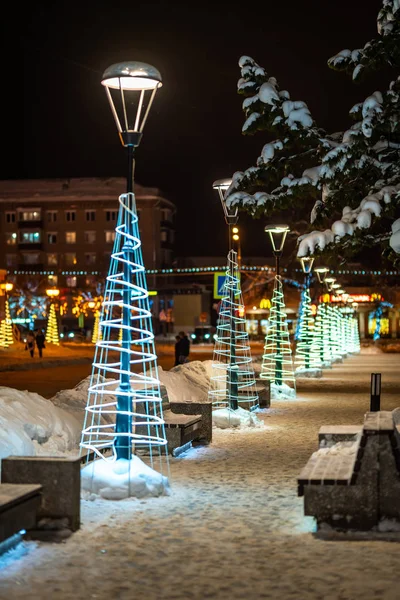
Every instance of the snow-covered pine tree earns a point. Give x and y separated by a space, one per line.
286 168
361 175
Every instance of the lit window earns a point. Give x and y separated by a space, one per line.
70 259
51 216
70 237
31 258
90 237
29 215
71 281
111 215
10 217
52 259
90 215
52 238
52 280
110 237
70 215
90 258
11 239
29 237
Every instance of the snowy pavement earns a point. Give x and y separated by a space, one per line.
233 526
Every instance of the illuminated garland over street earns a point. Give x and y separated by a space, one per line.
232 381
124 415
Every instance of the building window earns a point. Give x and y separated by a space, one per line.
52 280
111 215
29 215
110 237
91 281
90 215
10 217
90 258
164 235
70 259
52 259
11 260
70 237
29 237
11 239
52 238
31 258
166 214
71 281
51 216
90 237
70 215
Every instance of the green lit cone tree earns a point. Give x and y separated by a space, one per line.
307 361
52 335
277 361
321 340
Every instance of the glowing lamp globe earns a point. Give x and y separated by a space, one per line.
277 234
7 287
52 292
131 87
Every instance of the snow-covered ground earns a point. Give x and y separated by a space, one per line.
232 526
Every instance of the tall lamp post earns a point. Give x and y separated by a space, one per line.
130 89
277 235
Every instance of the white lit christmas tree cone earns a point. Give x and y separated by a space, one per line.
335 334
300 319
356 335
232 381
124 425
320 343
277 363
341 325
52 335
307 359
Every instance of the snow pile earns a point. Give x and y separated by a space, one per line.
31 425
303 372
225 418
116 480
282 392
394 241
188 382
340 448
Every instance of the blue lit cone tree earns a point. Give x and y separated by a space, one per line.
277 363
124 428
232 381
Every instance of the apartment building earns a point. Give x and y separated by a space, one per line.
61 231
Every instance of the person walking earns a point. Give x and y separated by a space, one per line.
184 348
30 343
40 342
177 349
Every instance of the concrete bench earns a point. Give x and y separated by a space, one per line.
355 482
180 430
19 505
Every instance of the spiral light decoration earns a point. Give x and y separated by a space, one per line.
306 358
52 335
320 343
277 363
232 382
124 381
6 331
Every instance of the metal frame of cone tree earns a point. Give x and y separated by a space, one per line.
355 334
307 360
129 385
232 381
300 314
277 363
52 335
321 339
334 341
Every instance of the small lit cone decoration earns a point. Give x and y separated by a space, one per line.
322 335
52 335
306 358
277 363
96 335
232 381
6 331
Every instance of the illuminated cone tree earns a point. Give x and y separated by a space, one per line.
232 382
52 335
307 359
96 335
6 331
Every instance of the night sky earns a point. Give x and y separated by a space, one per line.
57 121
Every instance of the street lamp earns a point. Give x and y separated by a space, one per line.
277 235
130 89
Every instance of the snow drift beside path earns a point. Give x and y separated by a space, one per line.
31 425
